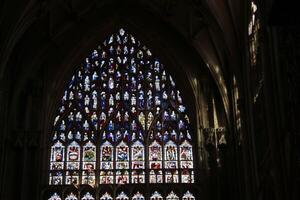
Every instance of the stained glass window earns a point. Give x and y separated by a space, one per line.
87 196
106 196
55 196
121 121
156 196
188 196
71 197
138 196
172 196
122 196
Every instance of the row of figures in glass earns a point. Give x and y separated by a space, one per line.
123 196
110 82
120 121
125 136
167 115
120 177
72 94
122 152
139 101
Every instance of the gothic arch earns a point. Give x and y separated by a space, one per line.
123 101
72 55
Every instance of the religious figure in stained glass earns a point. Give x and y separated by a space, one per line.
121 121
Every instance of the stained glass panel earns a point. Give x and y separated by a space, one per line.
121 111
138 196
137 155
155 155
73 156
122 196
106 196
87 196
55 196
89 156
57 156
171 155
172 196
71 197
156 196
188 196
122 156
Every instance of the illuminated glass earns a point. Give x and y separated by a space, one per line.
106 196
55 196
71 197
122 196
188 196
172 196
156 196
120 114
87 196
138 196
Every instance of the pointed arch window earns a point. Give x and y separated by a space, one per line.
188 196
55 196
138 196
122 196
121 122
172 196
106 196
156 196
88 196
71 197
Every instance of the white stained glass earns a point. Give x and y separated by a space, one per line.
106 177
155 155
88 177
57 156
73 152
188 196
137 176
71 197
137 155
122 177
106 196
87 196
56 178
72 177
89 156
73 156
156 176
186 155
55 196
171 176
118 95
187 176
57 152
138 196
149 120
172 196
122 156
156 196
170 155
122 196
106 156
142 119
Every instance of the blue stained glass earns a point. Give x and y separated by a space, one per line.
122 100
